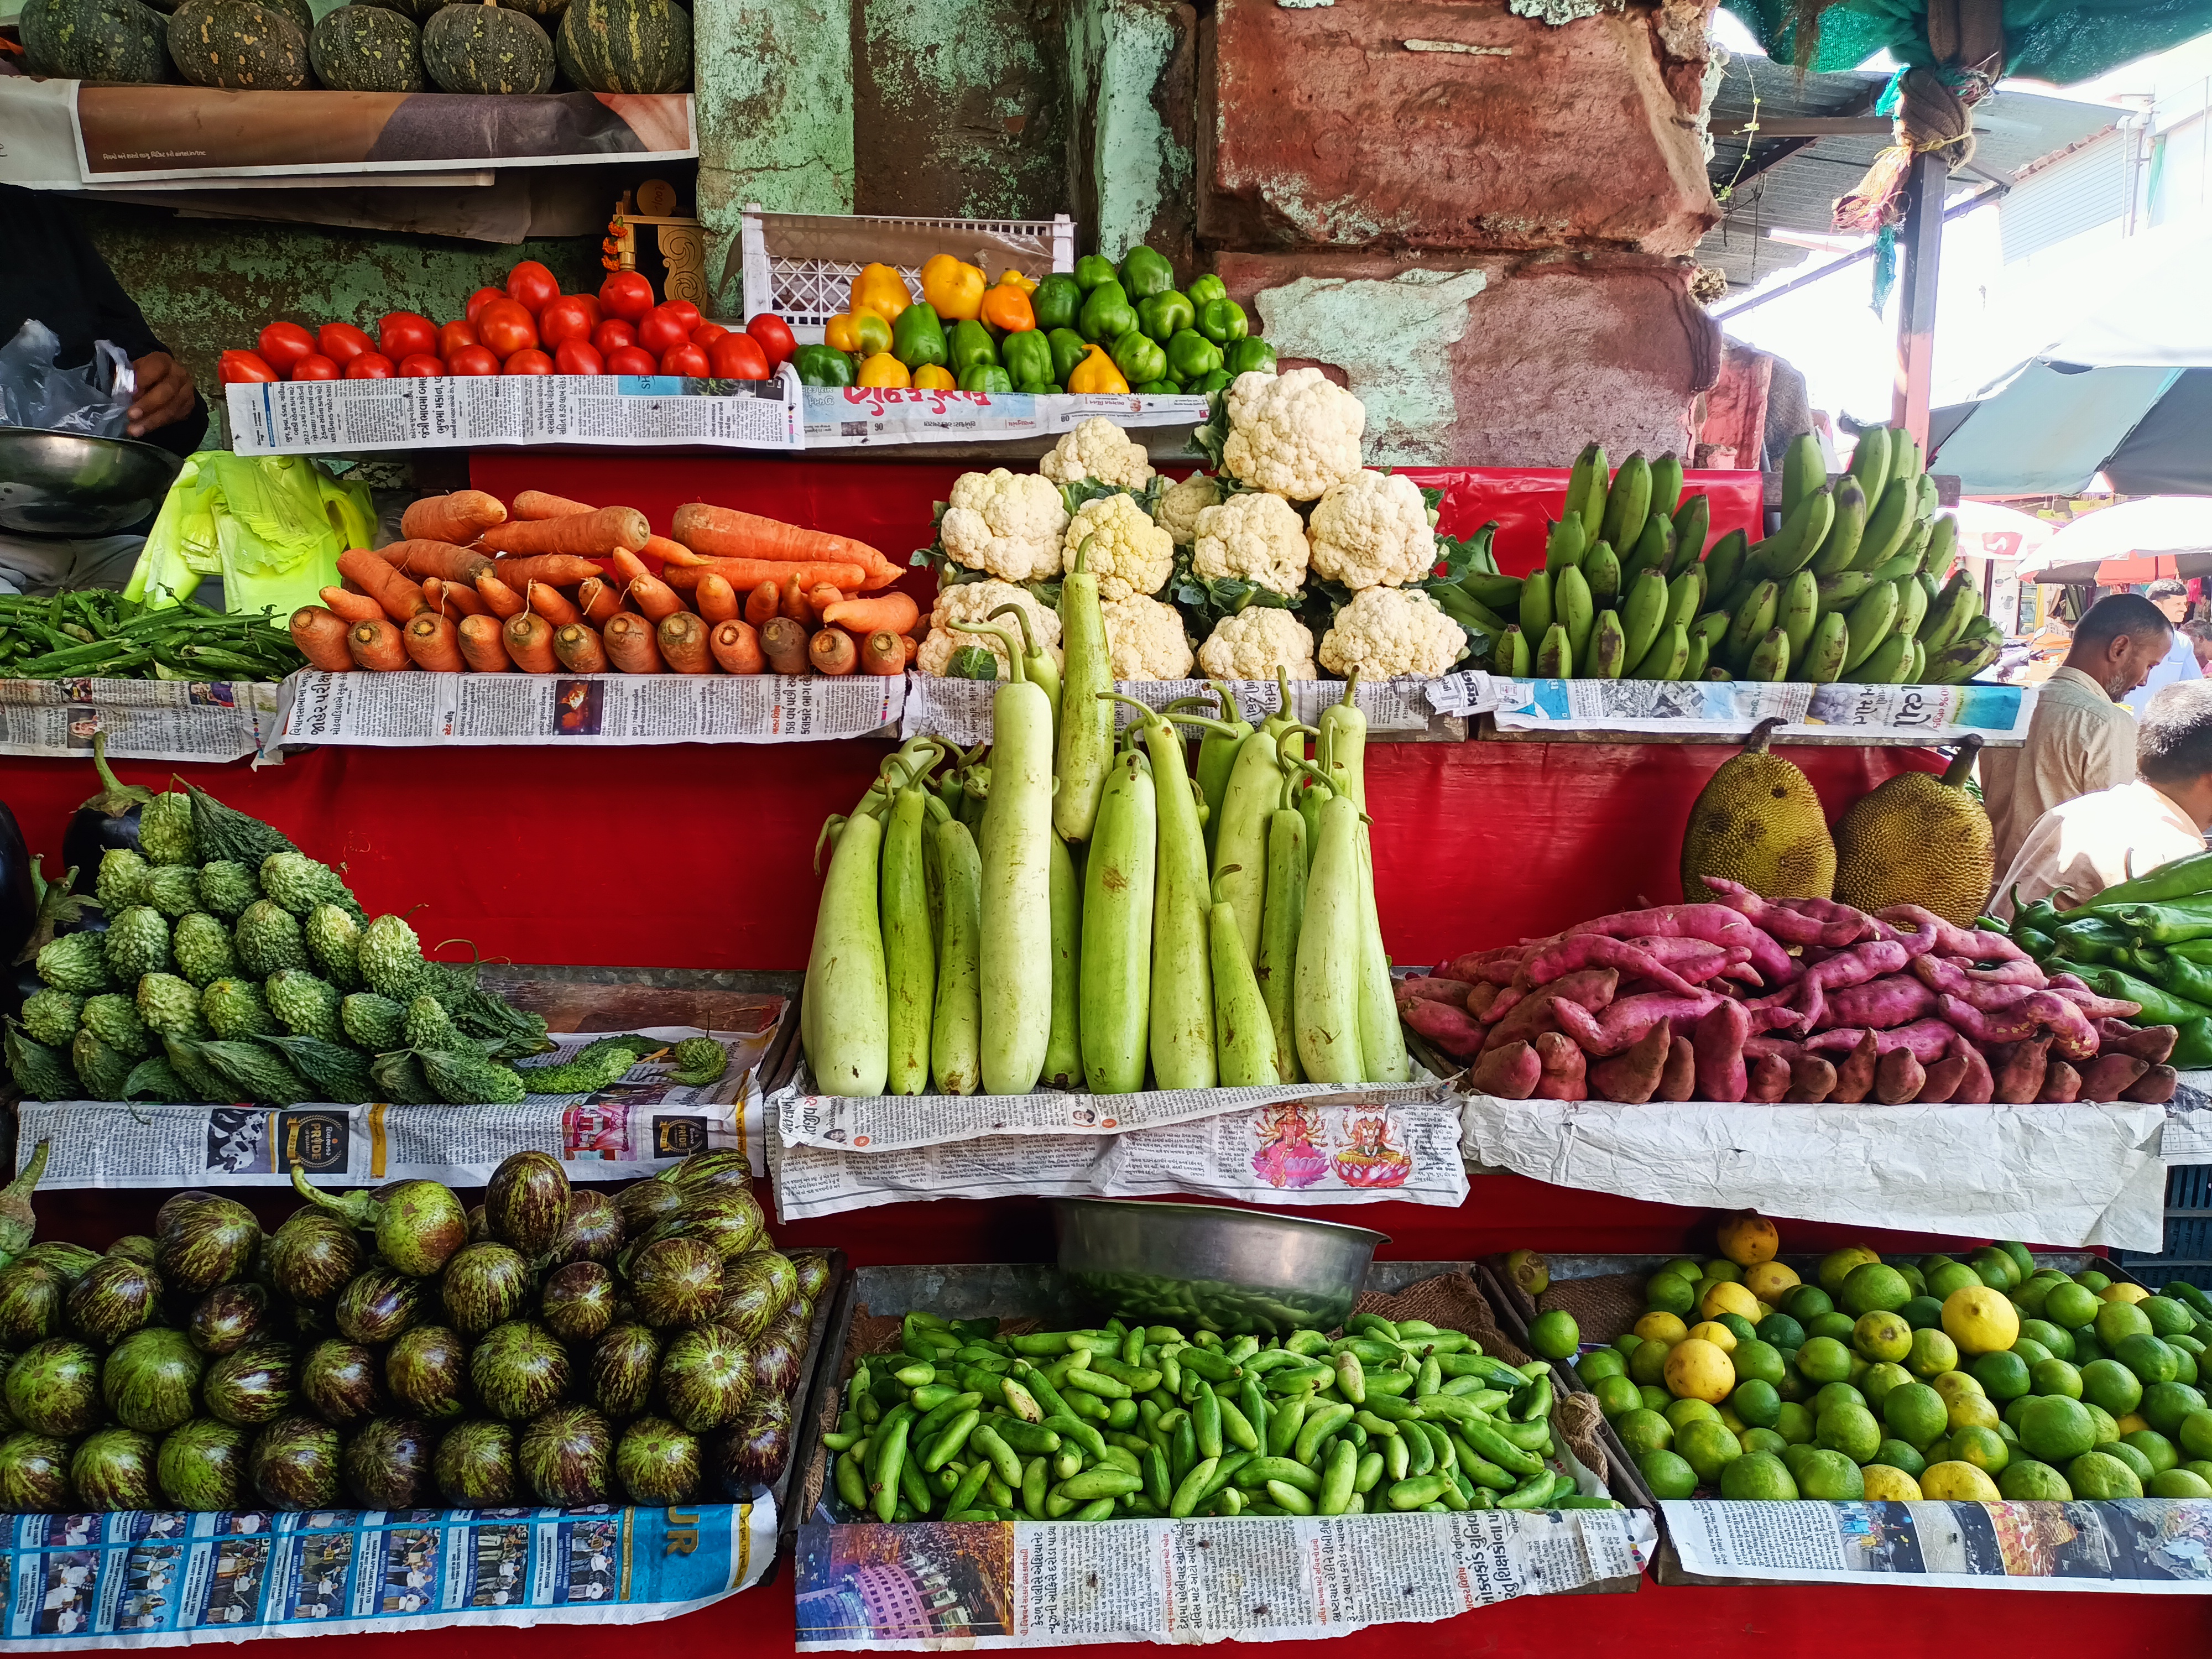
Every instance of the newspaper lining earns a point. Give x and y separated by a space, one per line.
1904 713
417 708
2131 1545
959 711
843 417
638 1126
144 720
165 1579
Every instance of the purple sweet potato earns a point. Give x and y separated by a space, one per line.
1719 1041
1633 1077
1491 967
1623 1024
2148 1043
1944 1077
2072 1035
1812 1080
1502 1000
1715 924
1479 997
1796 920
1946 937
1431 988
2092 1006
1855 1077
1510 1073
1680 1080
2015 1023
1881 1004
1954 978
2155 1087
1588 950
1856 966
2021 971
1985 946
1898 1078
1693 958
1451 1028
2111 1075
1759 1046
1767 1079
2062 1084
2018 1069
1927 1039
1564 1074
1977 1087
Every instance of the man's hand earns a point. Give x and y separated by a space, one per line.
165 393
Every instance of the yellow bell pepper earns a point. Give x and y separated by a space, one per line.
862 332
1012 278
884 370
881 289
1096 373
1007 309
934 377
955 289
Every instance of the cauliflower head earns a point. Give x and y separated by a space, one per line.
1129 554
1145 639
1256 536
1097 449
1177 512
973 602
1295 433
1250 644
1008 523
1389 632
1371 530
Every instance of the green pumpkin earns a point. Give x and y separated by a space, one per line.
115 40
487 48
367 49
238 45
626 46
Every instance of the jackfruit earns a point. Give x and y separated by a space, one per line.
1919 839
1757 821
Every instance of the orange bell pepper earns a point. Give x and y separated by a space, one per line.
934 377
884 370
1007 309
862 332
1096 373
881 289
954 287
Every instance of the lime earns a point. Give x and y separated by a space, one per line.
2109 1383
1952 1385
2116 1319
1916 1414
2069 1306
2021 1259
1874 1289
1836 1327
2002 1376
1981 1321
1997 1270
2199 1466
2150 1360
1601 1362
1682 1266
1762 1440
1720 1269
1658 1327
1835 1393
1896 1455
1667 1474
1982 1448
2032 1353
2090 1280
1680 1412
2195 1434
1951 1277
2025 1480
2166 1406
2016 1409
1626 1343
1643 1431
1879 1380
1831 1476
1837 1265
1707 1447
1616 1394
1921 1313
1554 1335
1933 1354
1823 1359
2127 1455
2028 1297
2086 1346
1796 1455
1758 1477
1915 1281
1850 1429
1953 1481
1937 1451
2107 1426
1794 1424
1934 1260
1793 1385
2161 1452
1758 1362
1810 1301
1735 1425
2056 1377
1888 1485
1669 1293
2167 1316
1737 1327
2189 1343
1648 1364
2176 1483
2184 1369
2053 1337
2055 1430
1882 1335
1656 1400
1757 1404
1969 1411
1781 1330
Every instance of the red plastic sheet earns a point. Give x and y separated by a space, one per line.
1526 500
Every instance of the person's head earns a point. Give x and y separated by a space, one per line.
2173 747
2200 640
2119 641
2171 596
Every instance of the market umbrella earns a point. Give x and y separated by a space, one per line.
1987 530
2133 542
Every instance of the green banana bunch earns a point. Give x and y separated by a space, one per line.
1586 491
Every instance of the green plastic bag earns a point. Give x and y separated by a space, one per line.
271 527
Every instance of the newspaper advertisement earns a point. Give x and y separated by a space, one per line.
1998 715
2134 1546
456 412
144 720
159 1579
409 710
845 417
636 1126
1037 1585
2189 1121
1464 692
2074 1175
959 711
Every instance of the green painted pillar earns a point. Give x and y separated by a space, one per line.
1132 75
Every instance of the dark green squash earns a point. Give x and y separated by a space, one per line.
626 46
487 48
113 40
239 44
298 10
367 49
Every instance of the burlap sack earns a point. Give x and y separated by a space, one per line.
1602 1308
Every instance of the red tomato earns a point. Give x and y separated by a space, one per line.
401 333
243 368
532 285
480 298
661 329
707 333
284 344
590 304
453 336
370 366
342 343
686 359
507 328
421 365
613 335
565 319
685 310
631 360
529 360
738 357
578 357
472 360
314 367
774 337
627 294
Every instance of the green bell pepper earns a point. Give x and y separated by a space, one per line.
1068 348
1139 359
1223 322
1145 272
1214 382
1027 355
1107 314
1091 269
969 346
2192 1049
1156 388
1058 299
1191 355
1163 315
1250 355
917 337
821 365
1204 289
985 377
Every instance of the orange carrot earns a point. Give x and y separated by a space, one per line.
561 569
892 612
668 552
795 606
458 518
354 607
724 533
420 558
913 647
881 652
481 646
682 638
783 643
598 599
320 634
398 596
629 644
595 534
376 644
499 599
534 504
435 644
529 640
831 651
578 646
736 645
551 603
646 590
452 598
716 599
746 574
821 594
763 603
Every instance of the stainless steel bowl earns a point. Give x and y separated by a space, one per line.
63 483
1235 1271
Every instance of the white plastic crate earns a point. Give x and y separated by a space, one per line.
801 265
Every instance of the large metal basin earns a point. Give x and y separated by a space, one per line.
64 484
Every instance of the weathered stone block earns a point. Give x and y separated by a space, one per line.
1130 73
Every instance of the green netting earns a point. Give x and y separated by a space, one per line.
2062 41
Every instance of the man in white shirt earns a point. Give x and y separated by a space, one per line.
2081 739
2081 846
2179 662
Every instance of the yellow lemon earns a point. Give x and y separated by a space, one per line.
2130 1423
1836 1266
1957 1482
1748 1238
1657 1326
2122 1293
1726 1295
1971 1411
1767 1280
1718 1334
1885 1484
1981 1320
1698 1371
1958 1385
